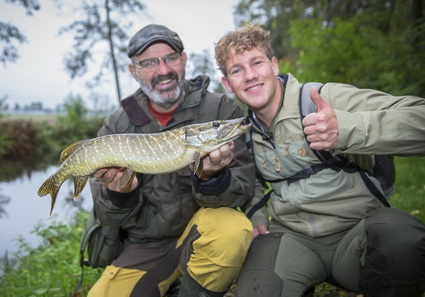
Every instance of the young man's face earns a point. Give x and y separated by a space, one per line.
251 76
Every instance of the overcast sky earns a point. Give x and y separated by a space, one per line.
39 73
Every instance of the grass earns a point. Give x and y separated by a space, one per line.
50 118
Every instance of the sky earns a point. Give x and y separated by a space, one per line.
39 74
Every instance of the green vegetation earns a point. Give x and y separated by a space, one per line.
375 44
52 269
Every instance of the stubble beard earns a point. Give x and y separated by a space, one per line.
164 98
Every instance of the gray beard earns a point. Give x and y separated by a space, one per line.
158 98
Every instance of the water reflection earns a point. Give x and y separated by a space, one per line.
25 208
3 201
13 169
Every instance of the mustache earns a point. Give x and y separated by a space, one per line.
159 78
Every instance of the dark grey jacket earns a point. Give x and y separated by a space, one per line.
163 204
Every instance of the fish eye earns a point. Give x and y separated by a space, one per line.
216 124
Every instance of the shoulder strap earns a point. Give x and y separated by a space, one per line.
306 105
328 160
136 114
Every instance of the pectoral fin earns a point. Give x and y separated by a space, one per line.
126 179
197 167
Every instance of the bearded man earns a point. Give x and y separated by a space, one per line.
179 225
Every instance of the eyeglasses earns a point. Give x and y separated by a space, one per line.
153 63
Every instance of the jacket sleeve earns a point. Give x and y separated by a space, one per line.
239 186
374 122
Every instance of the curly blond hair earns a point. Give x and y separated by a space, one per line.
245 39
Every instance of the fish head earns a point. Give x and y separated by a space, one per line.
211 135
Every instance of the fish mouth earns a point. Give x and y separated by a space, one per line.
235 128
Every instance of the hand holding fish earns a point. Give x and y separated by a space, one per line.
215 161
117 179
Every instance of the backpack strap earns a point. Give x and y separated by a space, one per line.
259 205
136 114
336 163
306 106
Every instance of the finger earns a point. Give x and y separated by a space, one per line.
231 145
109 176
255 233
263 229
318 100
216 156
99 173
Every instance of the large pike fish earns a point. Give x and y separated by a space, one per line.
156 153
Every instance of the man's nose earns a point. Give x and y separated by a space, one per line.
250 74
163 68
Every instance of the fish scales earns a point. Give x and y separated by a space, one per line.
157 153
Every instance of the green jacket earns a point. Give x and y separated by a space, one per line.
163 204
370 122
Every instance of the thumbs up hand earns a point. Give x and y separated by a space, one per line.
321 127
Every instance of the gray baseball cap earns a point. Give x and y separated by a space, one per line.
151 34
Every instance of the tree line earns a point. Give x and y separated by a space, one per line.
370 43
376 44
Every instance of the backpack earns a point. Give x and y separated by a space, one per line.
103 245
383 169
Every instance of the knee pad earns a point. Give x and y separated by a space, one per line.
394 260
257 276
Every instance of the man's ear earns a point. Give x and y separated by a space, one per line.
184 58
226 84
275 66
133 71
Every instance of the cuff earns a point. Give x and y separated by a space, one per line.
214 186
125 200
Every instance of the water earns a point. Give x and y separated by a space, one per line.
25 208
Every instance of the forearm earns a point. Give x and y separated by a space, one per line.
373 122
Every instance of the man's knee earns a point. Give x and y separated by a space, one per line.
226 235
258 276
218 244
395 253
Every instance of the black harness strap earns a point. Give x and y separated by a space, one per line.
136 114
259 205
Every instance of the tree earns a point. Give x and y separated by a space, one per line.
203 64
3 105
101 24
371 43
10 34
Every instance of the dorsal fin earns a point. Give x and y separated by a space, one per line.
70 149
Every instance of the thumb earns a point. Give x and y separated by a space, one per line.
318 100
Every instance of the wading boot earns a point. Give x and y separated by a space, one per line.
190 288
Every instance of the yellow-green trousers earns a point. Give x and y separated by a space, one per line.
212 250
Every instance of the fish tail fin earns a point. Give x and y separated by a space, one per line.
79 184
50 186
